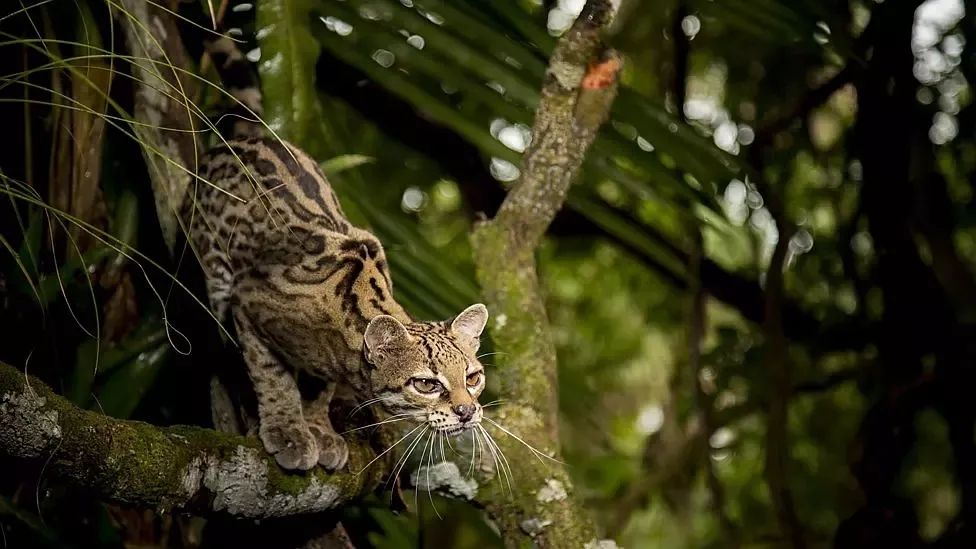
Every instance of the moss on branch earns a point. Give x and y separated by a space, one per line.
190 468
580 86
203 471
543 504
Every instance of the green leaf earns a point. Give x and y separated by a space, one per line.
50 537
125 227
54 286
30 248
395 531
447 59
288 68
27 280
527 25
125 387
339 164
770 20
146 337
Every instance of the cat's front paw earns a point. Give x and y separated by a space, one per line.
293 446
333 450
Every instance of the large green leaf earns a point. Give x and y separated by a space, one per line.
126 385
449 56
93 360
288 69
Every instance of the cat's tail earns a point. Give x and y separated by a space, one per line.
244 117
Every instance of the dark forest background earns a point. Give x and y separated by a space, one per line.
789 182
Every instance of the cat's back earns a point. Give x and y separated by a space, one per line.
265 180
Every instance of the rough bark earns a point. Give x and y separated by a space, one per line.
482 193
180 467
166 114
580 85
204 471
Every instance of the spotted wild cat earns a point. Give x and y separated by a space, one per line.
307 291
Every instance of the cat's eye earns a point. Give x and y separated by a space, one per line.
474 379
426 385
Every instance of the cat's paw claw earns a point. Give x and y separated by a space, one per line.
333 450
293 446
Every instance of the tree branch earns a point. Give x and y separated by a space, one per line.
779 364
732 414
203 471
575 101
806 104
767 131
697 314
780 371
180 467
171 155
580 85
398 119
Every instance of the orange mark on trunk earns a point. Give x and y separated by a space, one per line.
601 74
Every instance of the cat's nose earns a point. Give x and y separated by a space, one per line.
464 411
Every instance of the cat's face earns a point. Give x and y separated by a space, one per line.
429 371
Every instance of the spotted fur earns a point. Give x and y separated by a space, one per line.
306 290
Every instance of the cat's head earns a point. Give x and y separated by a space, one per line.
428 370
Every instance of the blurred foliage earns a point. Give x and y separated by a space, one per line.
418 111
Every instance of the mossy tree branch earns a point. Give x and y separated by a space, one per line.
580 85
188 468
579 88
203 471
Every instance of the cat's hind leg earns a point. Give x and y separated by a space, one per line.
283 429
333 451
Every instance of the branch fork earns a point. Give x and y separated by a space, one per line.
204 471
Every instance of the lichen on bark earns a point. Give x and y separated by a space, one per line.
190 468
204 471
579 88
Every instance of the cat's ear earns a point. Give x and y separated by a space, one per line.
471 322
383 331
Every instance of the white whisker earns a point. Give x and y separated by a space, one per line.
390 448
406 456
451 446
499 466
506 470
493 457
430 463
370 401
504 460
475 444
526 444
393 419
416 488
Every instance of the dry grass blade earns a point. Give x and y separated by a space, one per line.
19 191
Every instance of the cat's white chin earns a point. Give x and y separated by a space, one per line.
457 429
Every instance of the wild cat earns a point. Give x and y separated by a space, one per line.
308 291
